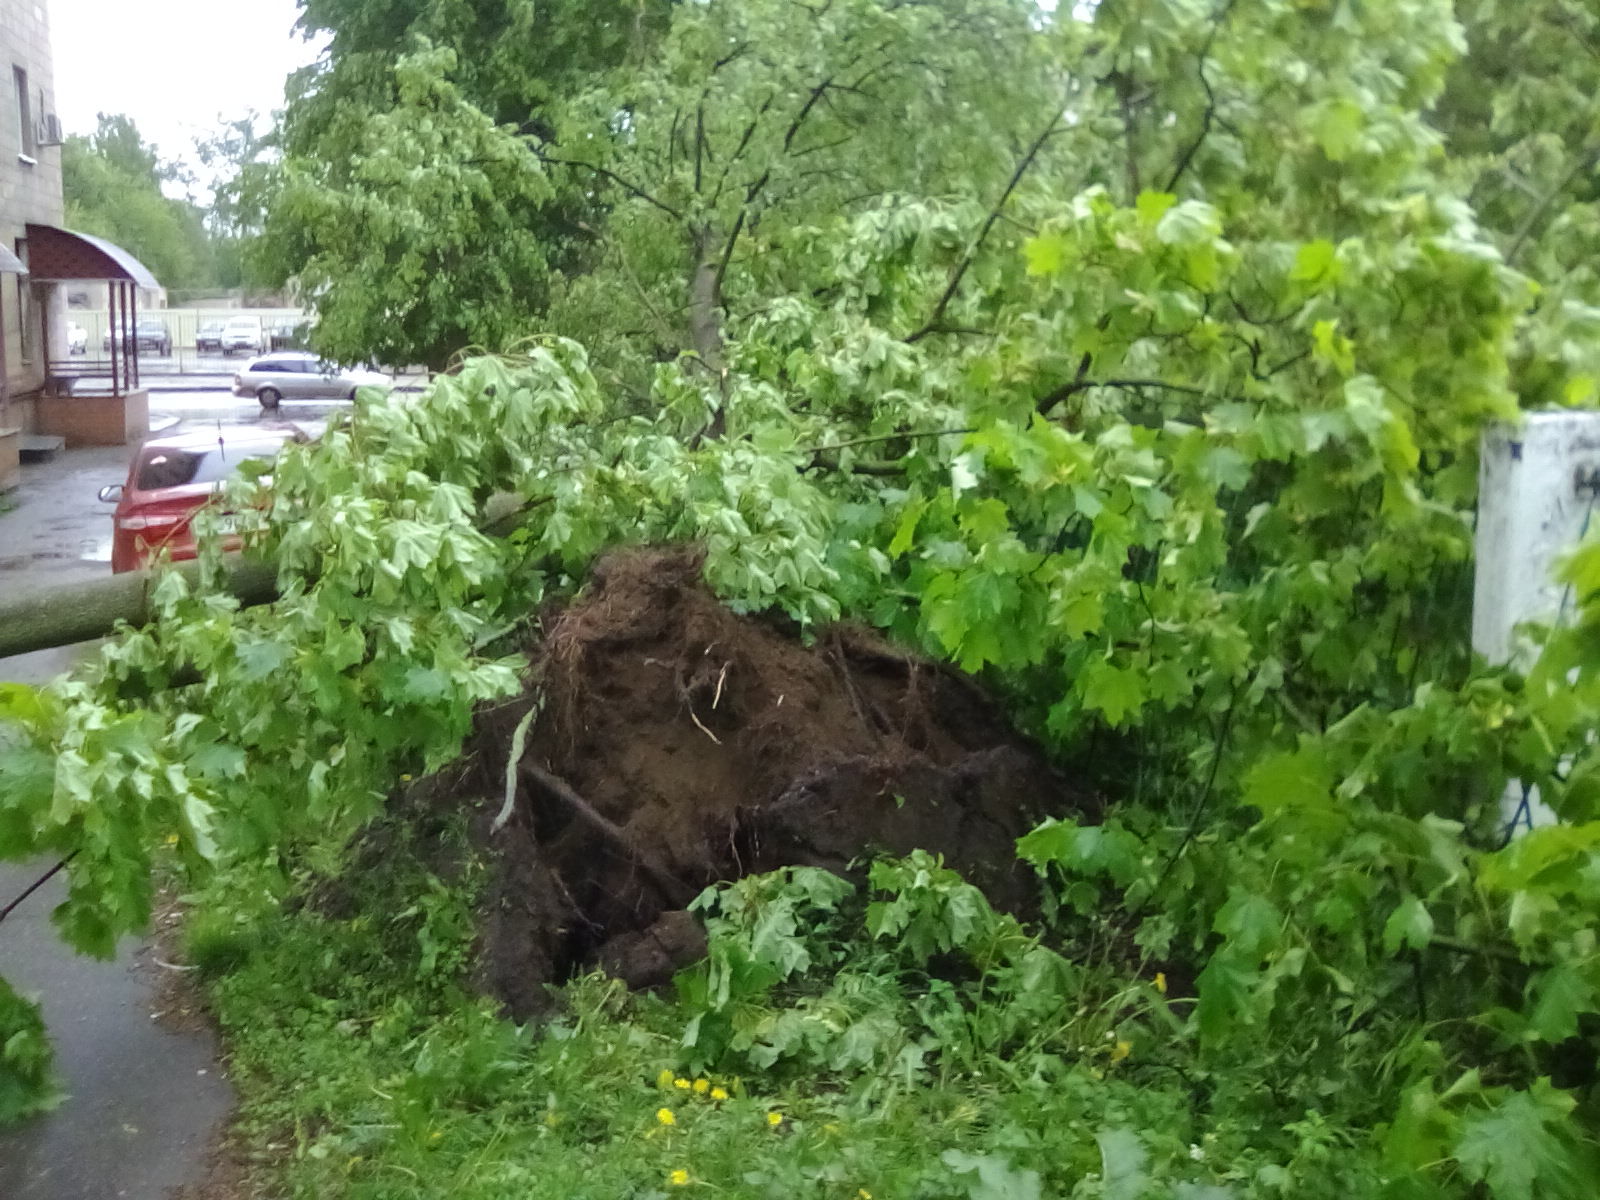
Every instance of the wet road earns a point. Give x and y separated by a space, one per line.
143 1102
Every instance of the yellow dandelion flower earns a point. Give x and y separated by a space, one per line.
664 1115
405 779
664 1080
681 1084
435 1136
774 1119
863 1194
679 1178
719 1093
1161 982
1121 1051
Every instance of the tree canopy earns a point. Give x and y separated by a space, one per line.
112 183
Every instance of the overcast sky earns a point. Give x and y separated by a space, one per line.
174 66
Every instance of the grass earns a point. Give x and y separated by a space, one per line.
368 1070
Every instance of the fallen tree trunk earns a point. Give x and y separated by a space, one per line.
40 618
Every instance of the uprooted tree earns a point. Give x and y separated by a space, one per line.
1133 360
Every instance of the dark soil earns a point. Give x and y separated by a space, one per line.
680 744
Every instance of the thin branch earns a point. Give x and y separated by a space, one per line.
1130 150
962 331
699 142
614 177
744 141
1586 162
36 885
876 468
886 437
1067 390
727 250
1207 118
736 52
805 111
960 272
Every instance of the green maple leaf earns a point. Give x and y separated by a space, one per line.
1515 1149
1565 993
1046 254
1312 261
1113 691
1410 924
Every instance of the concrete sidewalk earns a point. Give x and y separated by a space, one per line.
143 1103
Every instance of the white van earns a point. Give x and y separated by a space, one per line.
243 333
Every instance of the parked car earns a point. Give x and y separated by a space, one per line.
289 333
243 333
77 338
208 336
302 376
172 478
149 333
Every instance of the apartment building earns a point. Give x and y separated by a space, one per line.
30 194
44 390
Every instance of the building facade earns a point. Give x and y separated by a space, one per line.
30 194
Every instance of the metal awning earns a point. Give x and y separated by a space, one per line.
62 256
59 255
10 264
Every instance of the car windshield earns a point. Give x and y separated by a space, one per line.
169 466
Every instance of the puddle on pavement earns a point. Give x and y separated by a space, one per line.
94 549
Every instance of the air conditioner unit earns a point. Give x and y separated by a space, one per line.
49 131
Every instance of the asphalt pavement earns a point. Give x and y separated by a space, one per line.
144 1100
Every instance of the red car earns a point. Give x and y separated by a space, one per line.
169 479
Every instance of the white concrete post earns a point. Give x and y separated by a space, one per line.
1538 487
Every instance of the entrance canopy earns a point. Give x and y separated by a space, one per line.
62 256
59 255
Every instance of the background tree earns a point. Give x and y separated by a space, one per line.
234 158
112 181
1522 120
413 219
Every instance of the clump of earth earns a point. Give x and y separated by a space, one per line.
677 743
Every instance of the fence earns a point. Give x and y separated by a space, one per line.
281 329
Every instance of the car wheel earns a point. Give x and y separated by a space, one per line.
269 397
351 395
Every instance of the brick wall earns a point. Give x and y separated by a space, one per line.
28 191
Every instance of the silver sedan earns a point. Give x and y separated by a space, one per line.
295 375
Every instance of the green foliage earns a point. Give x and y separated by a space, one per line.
112 185
407 203
27 1084
1157 407
890 1008
427 183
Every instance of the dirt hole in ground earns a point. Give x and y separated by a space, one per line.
678 743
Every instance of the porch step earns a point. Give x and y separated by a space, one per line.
40 447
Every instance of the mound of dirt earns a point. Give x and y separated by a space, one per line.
678 744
